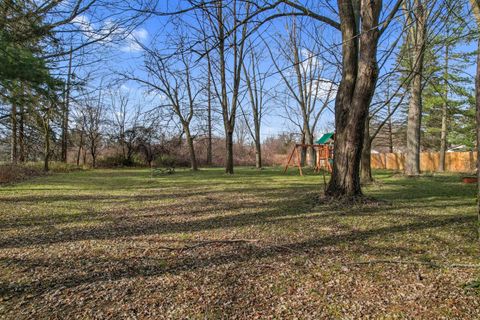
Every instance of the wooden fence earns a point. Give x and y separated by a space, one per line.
429 161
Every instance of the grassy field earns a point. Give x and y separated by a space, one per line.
121 244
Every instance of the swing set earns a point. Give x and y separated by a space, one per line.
324 154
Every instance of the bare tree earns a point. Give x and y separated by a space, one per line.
226 34
382 119
360 27
44 114
255 81
174 78
92 114
229 106
306 84
124 122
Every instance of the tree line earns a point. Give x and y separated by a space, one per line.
221 68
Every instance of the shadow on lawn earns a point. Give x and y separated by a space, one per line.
278 205
149 220
131 268
180 198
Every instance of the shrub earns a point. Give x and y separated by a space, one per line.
10 173
60 167
166 161
117 160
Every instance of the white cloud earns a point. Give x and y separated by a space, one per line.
322 88
133 40
109 32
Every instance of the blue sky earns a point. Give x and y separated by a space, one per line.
127 55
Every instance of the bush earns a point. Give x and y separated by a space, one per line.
59 167
166 161
117 161
10 173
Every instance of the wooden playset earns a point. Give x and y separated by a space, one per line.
323 150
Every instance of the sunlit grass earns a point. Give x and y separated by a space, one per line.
70 240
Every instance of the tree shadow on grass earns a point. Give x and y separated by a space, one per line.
135 267
277 206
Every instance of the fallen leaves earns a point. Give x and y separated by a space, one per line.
112 244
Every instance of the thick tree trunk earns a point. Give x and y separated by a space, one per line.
191 149
359 77
417 46
258 155
412 161
14 141
477 105
366 168
229 151
476 11
443 133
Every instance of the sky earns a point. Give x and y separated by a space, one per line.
128 56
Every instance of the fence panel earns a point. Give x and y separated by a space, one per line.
429 161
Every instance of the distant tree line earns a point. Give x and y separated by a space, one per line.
386 75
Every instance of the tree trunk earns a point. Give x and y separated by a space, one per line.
476 12
65 113
443 138
93 153
417 42
21 135
78 155
80 147
390 131
191 148
412 161
477 105
258 155
14 141
46 146
366 168
311 151
357 86
229 151
303 151
258 144
209 112
443 134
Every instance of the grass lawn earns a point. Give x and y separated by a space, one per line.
120 244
